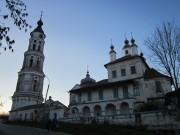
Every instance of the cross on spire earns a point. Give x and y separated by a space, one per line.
125 36
87 69
41 14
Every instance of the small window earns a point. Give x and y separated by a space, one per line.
114 75
123 72
101 95
34 41
126 52
133 70
115 93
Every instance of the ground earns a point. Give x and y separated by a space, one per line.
6 129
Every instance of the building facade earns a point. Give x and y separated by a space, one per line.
130 83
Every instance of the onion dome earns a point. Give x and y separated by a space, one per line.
112 49
126 44
133 42
87 80
39 27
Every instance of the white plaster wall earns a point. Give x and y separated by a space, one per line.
112 56
137 62
15 115
151 87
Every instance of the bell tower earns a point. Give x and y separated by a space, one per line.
31 77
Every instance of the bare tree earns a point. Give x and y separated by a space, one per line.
164 47
18 13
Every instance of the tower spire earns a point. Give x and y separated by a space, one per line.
41 14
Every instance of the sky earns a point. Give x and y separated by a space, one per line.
78 34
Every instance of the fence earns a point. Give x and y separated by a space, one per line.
151 119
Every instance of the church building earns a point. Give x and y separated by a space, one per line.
130 83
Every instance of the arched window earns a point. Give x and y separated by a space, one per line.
97 110
34 46
31 62
39 47
110 109
126 52
38 62
86 111
35 84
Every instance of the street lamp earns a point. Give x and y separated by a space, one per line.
47 88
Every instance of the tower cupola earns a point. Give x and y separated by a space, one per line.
112 53
87 80
39 27
134 47
126 48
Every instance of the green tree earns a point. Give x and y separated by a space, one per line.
17 12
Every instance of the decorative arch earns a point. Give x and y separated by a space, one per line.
124 108
86 111
110 109
97 110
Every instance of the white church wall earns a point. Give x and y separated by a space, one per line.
151 87
139 66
